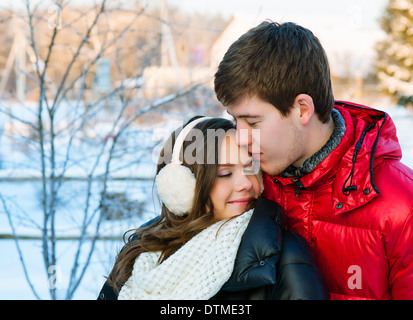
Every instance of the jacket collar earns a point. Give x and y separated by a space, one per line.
370 136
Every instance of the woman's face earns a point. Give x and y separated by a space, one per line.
235 184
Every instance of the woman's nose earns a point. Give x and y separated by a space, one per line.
244 182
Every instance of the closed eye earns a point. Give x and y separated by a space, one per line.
252 124
225 175
224 171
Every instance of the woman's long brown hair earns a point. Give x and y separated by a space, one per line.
171 232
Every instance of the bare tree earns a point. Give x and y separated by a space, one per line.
72 51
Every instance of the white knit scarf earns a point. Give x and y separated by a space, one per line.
197 271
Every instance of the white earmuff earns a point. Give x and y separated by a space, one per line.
175 183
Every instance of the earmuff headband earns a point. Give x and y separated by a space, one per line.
175 182
181 138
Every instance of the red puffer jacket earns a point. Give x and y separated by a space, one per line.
356 210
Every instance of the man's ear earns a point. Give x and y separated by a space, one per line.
305 106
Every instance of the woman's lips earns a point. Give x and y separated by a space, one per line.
240 202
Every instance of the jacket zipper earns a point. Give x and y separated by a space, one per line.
298 185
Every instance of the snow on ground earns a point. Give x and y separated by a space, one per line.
13 284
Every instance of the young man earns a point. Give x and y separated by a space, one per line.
333 166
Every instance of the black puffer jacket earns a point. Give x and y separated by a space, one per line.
271 263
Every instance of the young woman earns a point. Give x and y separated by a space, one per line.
216 238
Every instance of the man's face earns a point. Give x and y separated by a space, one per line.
274 140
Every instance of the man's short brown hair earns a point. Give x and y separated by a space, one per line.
276 62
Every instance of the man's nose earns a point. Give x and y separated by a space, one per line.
243 137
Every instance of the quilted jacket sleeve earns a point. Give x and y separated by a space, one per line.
401 262
298 276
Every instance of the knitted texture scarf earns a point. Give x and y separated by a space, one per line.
197 271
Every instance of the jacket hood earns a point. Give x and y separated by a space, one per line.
383 129
370 137
259 250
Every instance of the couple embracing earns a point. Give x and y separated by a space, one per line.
304 197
